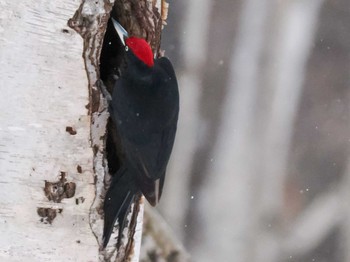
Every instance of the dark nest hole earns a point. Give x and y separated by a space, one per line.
110 62
112 59
111 56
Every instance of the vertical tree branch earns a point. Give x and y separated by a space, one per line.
140 18
290 49
229 213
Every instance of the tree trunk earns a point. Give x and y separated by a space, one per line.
44 136
53 126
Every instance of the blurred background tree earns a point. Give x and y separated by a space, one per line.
260 169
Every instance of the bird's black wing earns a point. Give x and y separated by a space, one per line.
153 157
166 65
118 200
148 131
151 160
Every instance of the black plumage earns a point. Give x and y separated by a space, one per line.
144 110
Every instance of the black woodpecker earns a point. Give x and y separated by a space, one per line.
144 109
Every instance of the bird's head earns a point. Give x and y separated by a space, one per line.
138 46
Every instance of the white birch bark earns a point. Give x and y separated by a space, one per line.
45 84
43 90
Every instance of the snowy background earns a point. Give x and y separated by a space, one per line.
261 170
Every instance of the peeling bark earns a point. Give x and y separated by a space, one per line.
140 18
53 128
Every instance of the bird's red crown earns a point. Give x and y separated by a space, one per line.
141 49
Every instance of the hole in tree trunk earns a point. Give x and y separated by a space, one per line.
111 57
110 62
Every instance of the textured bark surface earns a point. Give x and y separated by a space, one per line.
140 18
54 171
44 91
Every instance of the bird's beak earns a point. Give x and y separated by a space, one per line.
120 30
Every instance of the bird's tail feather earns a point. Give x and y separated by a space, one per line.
118 200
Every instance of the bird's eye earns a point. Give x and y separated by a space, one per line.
126 48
